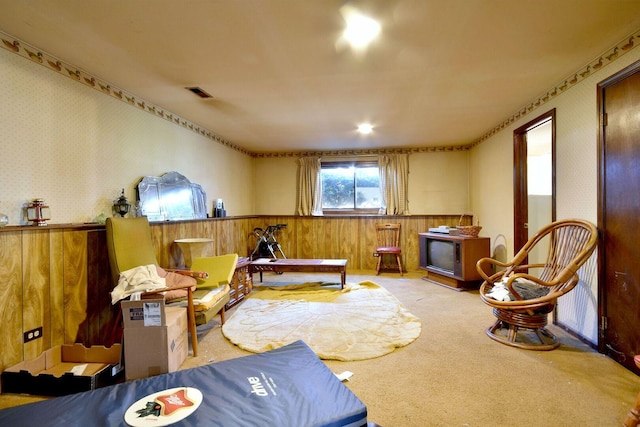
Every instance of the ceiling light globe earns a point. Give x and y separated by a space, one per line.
365 128
361 30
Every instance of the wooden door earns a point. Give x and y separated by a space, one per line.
618 216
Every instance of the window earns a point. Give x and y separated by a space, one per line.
351 187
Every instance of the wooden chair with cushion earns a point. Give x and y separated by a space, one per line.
523 295
129 245
388 243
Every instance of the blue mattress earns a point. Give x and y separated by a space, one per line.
289 386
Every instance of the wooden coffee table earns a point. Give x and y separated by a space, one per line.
282 265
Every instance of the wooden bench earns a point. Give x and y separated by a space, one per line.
282 265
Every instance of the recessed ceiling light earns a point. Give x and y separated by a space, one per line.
365 128
361 29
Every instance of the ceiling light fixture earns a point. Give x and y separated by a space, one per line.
365 128
361 29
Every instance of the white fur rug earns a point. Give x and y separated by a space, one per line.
358 322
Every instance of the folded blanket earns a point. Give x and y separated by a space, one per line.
500 292
144 278
175 280
205 299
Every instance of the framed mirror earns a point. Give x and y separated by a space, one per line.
171 197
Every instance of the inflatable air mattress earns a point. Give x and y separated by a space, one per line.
289 386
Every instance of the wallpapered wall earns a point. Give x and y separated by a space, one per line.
491 188
438 184
77 148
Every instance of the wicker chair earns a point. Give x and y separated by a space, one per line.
522 295
633 416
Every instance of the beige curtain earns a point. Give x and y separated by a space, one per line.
394 177
309 187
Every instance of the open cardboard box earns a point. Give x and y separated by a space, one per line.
65 369
155 338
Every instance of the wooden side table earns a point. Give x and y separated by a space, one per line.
241 284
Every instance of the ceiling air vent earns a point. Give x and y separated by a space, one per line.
201 93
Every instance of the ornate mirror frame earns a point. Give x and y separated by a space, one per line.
171 197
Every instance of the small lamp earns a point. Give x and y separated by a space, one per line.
121 205
38 212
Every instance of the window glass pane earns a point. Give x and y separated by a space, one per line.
338 188
350 187
367 188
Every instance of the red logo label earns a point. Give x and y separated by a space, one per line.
174 401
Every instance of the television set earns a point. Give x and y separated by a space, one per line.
443 256
451 260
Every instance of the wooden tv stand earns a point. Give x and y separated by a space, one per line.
471 249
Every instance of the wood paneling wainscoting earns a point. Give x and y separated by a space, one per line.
351 237
58 277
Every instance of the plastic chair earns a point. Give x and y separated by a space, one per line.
388 237
522 295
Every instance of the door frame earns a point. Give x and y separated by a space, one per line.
520 196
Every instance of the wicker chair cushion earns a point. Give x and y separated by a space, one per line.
529 290
526 288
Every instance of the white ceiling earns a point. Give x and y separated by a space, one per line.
442 73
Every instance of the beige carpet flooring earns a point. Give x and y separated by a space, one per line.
360 321
454 375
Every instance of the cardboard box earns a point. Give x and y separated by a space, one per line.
155 338
65 369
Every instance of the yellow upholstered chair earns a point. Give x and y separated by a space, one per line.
129 246
388 243
213 291
523 295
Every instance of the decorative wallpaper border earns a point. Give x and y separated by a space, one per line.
365 152
601 61
54 64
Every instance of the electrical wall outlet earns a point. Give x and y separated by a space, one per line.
375 254
33 334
